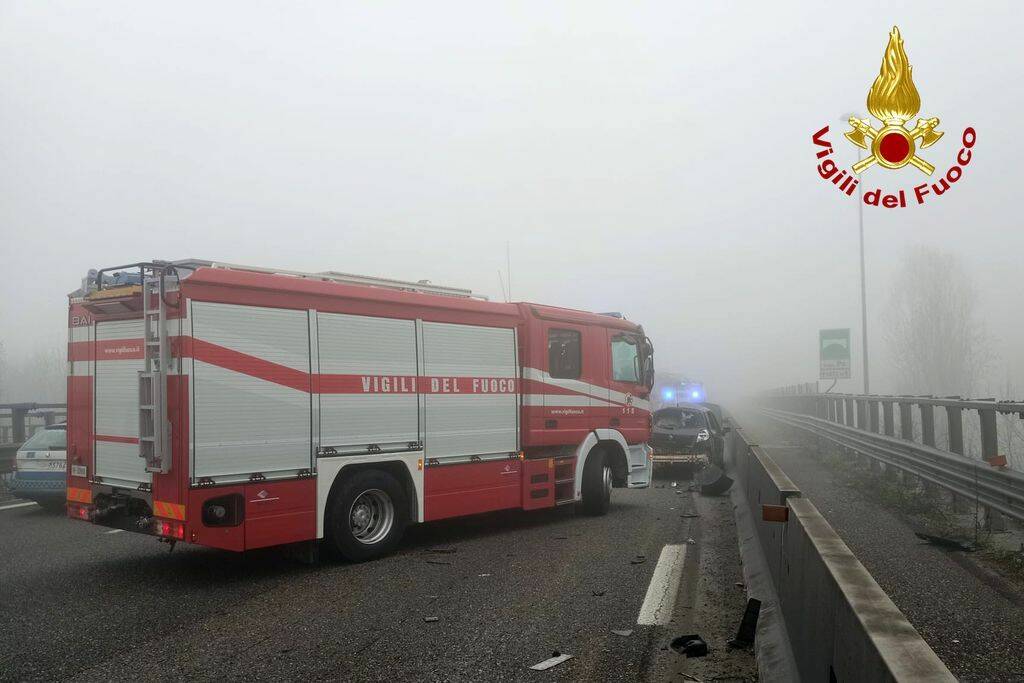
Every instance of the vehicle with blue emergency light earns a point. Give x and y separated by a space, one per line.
670 392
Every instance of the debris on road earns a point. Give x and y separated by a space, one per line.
555 659
943 542
444 549
431 620
639 559
560 538
483 574
674 484
691 646
623 632
713 481
690 678
438 562
748 625
687 515
598 594
740 584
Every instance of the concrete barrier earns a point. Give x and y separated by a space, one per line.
840 623
764 483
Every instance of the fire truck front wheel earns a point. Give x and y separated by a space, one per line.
368 515
597 484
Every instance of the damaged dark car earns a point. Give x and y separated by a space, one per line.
685 434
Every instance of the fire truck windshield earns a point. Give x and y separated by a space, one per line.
625 358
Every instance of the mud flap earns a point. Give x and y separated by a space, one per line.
640 477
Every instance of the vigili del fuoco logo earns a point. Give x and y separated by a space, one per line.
893 100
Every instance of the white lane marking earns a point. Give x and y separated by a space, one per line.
114 531
17 505
661 594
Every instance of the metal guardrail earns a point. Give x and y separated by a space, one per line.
999 490
866 424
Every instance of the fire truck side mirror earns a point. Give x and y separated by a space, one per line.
649 372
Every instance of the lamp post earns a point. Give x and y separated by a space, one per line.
863 287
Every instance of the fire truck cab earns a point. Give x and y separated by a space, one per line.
240 408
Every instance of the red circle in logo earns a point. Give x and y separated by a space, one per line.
894 148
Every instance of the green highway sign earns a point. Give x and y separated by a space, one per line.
834 350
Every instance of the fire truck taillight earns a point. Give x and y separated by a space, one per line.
79 512
173 530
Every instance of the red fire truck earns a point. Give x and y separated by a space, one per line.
241 408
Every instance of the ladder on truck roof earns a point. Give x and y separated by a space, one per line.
154 426
97 280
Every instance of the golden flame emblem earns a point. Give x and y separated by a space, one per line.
893 99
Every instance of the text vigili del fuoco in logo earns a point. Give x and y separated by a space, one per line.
893 100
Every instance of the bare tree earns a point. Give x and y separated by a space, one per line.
936 340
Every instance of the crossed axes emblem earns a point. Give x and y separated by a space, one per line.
925 130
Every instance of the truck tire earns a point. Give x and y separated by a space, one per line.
597 484
367 516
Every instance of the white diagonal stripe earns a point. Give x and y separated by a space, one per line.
599 392
17 505
661 594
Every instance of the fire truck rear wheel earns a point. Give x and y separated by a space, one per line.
368 515
597 484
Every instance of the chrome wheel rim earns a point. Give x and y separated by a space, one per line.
606 481
371 516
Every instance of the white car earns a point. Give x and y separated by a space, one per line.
39 467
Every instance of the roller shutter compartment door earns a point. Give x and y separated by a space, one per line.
368 378
118 363
474 420
251 391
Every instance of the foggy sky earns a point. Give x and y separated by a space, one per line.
654 158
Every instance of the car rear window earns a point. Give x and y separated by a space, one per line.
47 440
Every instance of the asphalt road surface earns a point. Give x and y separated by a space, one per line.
508 589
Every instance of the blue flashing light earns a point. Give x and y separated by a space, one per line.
695 393
668 394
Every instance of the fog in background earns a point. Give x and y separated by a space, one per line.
653 159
